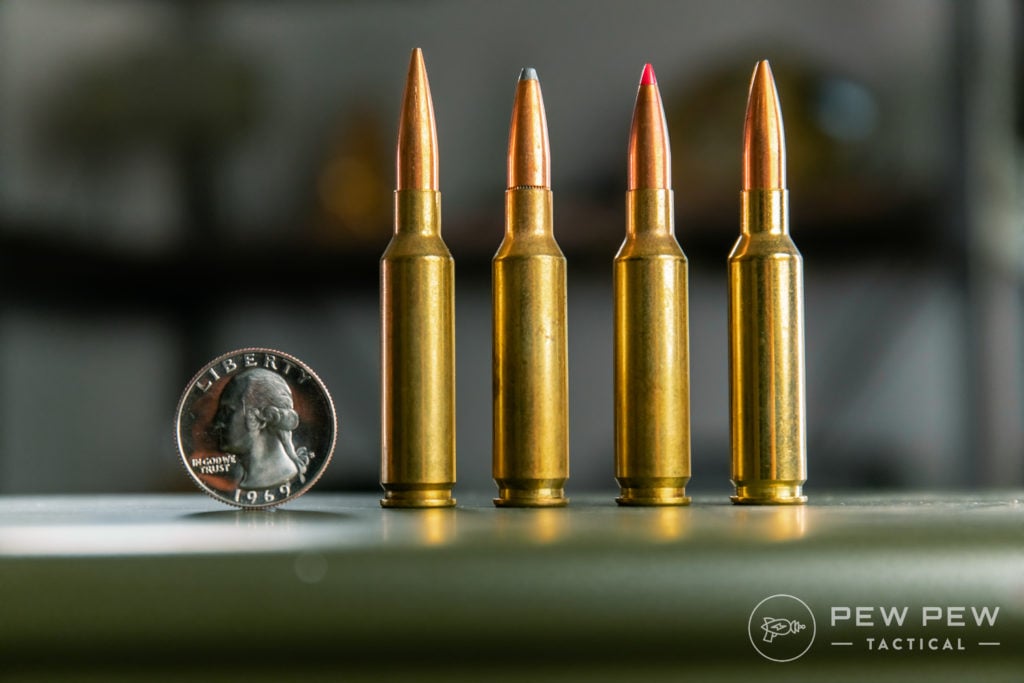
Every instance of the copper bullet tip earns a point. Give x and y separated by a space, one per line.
650 156
529 154
764 139
416 164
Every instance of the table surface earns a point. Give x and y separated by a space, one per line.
116 587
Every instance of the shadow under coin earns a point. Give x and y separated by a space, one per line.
270 517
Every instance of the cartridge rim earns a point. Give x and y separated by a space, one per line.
769 494
653 496
420 497
531 497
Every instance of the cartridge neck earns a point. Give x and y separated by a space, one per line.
764 212
418 212
528 212
650 212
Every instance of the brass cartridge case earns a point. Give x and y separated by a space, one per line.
418 357
417 296
652 367
766 355
531 384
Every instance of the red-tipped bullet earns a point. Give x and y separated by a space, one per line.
652 362
650 159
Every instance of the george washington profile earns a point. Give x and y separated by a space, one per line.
255 420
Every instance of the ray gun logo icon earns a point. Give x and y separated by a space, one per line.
781 628
774 627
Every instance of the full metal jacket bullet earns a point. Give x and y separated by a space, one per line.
766 330
531 383
652 366
417 276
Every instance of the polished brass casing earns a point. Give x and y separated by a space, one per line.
652 367
418 357
531 383
767 406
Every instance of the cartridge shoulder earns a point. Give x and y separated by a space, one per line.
778 246
648 246
529 246
408 246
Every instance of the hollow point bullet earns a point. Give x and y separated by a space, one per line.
652 367
766 330
417 275
531 392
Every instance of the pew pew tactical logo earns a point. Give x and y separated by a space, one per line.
782 628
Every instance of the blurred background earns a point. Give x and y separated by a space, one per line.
180 179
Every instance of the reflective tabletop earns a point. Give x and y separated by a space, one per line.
908 587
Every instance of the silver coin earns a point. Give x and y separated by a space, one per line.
255 428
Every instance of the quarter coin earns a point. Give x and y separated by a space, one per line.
255 428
